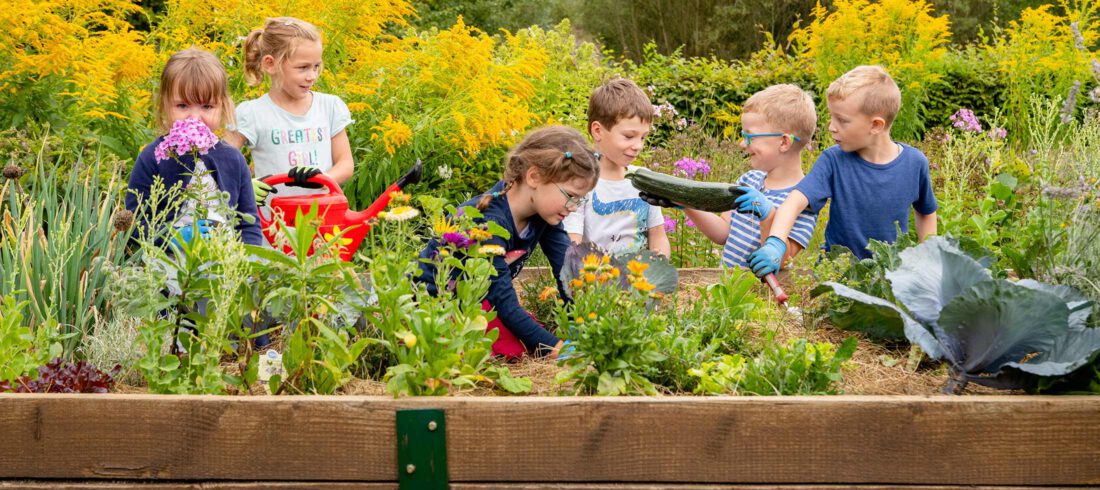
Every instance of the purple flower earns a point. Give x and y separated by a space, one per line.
690 223
670 224
965 120
664 109
457 239
998 133
690 168
187 136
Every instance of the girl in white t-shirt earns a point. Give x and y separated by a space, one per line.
291 129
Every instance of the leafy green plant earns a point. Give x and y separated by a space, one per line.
798 367
991 332
614 333
438 341
58 245
22 349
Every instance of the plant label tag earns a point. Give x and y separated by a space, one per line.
271 364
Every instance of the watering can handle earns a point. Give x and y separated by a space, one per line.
333 187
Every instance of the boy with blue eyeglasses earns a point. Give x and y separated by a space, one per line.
871 180
776 123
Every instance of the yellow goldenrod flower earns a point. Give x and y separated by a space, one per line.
392 133
400 213
637 268
398 197
492 249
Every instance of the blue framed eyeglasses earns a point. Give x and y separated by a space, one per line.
572 201
749 136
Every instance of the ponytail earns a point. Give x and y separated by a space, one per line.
253 61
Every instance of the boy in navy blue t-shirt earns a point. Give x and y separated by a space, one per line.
871 179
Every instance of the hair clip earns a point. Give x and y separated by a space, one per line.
496 194
596 155
568 155
288 23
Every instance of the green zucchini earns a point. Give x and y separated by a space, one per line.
707 196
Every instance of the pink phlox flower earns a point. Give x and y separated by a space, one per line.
670 223
690 168
965 120
187 136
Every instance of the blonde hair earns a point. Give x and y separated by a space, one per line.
275 39
618 99
197 77
881 96
788 108
559 153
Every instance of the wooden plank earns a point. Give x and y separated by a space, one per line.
871 440
71 485
129 485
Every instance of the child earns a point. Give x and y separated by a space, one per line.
615 218
193 85
545 178
871 180
776 125
291 129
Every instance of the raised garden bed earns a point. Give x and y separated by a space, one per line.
123 441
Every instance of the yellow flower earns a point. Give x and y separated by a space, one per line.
592 316
492 249
547 293
444 252
479 235
637 268
392 133
343 242
589 277
606 259
591 262
603 277
399 197
576 283
579 320
643 285
443 225
409 339
615 272
400 213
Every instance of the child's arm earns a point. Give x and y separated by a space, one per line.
926 225
235 139
576 238
574 226
343 165
658 241
715 227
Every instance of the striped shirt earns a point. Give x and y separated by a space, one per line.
744 237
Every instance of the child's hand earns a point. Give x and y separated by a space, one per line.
301 175
260 189
752 201
658 201
768 258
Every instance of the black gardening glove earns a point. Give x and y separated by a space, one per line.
658 201
301 175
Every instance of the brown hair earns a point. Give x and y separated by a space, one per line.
558 153
615 100
787 108
197 77
276 39
881 96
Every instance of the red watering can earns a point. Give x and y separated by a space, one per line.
332 210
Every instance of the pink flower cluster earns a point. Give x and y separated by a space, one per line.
187 135
690 168
670 224
965 120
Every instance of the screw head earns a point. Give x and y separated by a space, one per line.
432 426
410 468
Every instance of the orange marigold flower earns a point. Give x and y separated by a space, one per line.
547 293
637 268
589 277
643 285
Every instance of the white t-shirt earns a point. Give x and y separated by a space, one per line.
615 218
281 141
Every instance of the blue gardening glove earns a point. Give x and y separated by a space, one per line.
753 202
658 201
187 233
567 351
261 190
767 259
301 175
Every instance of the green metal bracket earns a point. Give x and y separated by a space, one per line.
422 450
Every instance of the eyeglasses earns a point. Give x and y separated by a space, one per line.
572 201
749 136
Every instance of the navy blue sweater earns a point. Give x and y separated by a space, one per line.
502 295
226 165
